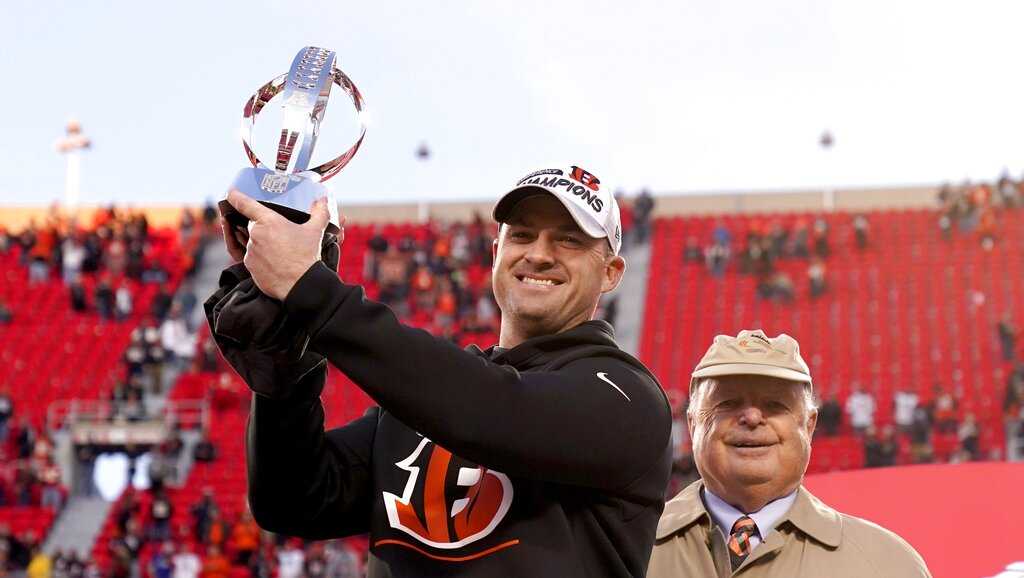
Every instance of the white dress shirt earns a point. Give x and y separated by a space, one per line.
725 515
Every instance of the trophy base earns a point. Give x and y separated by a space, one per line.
291 195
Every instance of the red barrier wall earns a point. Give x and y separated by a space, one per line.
964 519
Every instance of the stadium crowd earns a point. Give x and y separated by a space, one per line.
214 545
29 475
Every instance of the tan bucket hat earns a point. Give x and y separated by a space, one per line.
753 353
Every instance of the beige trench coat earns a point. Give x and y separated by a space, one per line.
811 541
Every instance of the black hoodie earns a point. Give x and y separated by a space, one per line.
547 459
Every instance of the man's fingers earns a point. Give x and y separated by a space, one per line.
319 215
235 248
248 206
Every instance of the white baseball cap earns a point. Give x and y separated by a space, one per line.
590 203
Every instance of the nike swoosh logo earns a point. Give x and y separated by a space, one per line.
604 377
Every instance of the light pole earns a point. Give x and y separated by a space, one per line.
71 146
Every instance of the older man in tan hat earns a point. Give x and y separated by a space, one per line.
751 418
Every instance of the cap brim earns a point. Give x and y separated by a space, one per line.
503 210
751 369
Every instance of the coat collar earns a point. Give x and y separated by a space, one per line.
809 515
682 511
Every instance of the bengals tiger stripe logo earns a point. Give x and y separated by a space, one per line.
425 514
586 178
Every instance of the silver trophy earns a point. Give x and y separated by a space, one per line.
290 187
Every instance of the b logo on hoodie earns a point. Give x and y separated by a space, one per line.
424 512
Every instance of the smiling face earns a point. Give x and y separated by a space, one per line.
548 274
751 437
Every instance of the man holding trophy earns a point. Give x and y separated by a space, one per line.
545 455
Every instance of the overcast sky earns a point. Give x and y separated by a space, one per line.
675 96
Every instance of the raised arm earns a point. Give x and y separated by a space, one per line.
302 482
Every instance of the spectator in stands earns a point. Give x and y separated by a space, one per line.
921 449
51 493
162 470
778 287
801 240
67 565
217 529
175 337
643 210
245 539
186 300
1007 337
161 512
153 364
376 248
104 298
13 551
40 256
161 565
315 565
122 302
204 450
969 436
880 449
126 547
127 509
904 402
160 306
816 278
78 299
186 562
716 257
830 415
6 412
987 228
85 457
115 257
778 238
209 357
41 564
342 560
692 253
393 278
25 440
134 409
216 565
264 564
73 255
861 229
944 411
821 245
860 406
290 559
200 512
946 227
6 316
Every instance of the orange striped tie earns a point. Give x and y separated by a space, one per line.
739 541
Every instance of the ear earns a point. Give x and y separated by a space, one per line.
613 271
494 252
812 422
